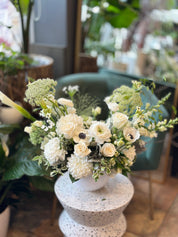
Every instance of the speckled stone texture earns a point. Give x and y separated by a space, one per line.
97 213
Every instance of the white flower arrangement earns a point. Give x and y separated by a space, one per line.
81 144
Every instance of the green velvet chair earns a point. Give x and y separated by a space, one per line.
102 85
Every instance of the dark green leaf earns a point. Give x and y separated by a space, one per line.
22 163
42 183
8 128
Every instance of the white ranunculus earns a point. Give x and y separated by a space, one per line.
81 150
52 151
79 167
131 134
69 125
119 120
130 153
108 150
113 106
66 102
100 132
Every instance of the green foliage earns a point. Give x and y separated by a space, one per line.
22 163
117 13
15 168
6 129
11 61
42 183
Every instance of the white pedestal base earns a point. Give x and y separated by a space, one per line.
96 213
70 228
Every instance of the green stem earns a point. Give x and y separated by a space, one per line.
5 193
25 29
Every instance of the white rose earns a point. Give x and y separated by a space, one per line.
81 149
69 125
79 167
100 132
108 150
66 102
119 120
113 106
130 153
131 134
52 151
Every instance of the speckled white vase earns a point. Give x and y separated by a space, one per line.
89 184
94 214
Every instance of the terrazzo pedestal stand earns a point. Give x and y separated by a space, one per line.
96 213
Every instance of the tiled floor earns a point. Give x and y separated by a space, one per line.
32 218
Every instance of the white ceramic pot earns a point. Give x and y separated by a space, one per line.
10 115
89 184
4 222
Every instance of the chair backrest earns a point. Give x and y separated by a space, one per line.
102 85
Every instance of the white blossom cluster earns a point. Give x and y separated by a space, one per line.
82 145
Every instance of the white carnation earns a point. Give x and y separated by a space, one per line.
130 153
108 150
69 125
100 132
131 134
81 150
71 110
119 120
79 167
52 151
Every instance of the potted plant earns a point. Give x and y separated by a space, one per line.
17 67
16 169
44 63
118 14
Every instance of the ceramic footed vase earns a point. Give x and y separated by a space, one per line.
89 184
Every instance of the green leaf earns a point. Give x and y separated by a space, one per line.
42 183
124 19
174 109
113 9
72 178
22 163
8 128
